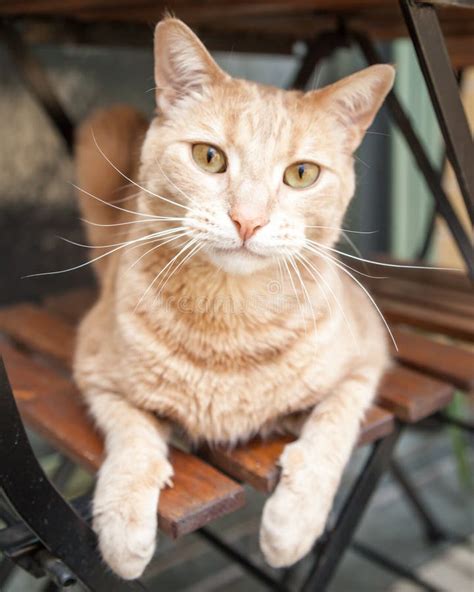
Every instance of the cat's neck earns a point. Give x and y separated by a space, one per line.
199 287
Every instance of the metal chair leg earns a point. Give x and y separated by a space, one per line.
64 534
432 177
333 543
431 226
461 424
6 566
338 540
247 564
423 25
393 566
434 531
6 569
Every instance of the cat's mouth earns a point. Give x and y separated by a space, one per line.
237 260
242 250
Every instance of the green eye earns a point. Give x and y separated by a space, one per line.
209 158
301 175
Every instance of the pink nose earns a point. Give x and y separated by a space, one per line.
247 226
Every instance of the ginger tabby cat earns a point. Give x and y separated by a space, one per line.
222 308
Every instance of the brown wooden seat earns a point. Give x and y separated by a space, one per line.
436 301
256 462
37 346
51 405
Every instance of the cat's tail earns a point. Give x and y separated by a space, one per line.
107 142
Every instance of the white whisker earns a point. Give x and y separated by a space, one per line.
355 249
303 260
90 261
396 265
162 243
295 292
343 229
184 194
126 198
147 242
165 280
339 305
305 291
170 272
351 243
342 268
362 161
133 182
190 243
379 134
312 245
152 235
158 218
106 203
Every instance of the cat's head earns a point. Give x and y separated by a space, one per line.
255 170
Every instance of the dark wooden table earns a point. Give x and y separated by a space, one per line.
270 26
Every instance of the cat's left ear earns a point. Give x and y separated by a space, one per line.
356 99
183 66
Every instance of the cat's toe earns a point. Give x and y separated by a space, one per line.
295 515
126 540
285 534
125 514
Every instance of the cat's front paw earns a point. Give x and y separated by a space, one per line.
295 515
125 519
126 539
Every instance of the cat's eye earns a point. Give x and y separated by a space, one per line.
209 158
301 175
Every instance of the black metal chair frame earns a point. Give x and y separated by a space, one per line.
63 547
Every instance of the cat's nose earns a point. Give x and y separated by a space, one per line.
247 225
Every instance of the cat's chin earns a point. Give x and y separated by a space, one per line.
238 262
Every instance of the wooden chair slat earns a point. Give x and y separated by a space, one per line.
255 463
412 396
445 361
443 278
437 321
52 406
377 424
443 298
47 334
40 331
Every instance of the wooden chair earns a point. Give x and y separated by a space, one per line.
36 344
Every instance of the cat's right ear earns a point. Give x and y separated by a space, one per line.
183 66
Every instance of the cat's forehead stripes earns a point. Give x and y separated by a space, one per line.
264 126
258 121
